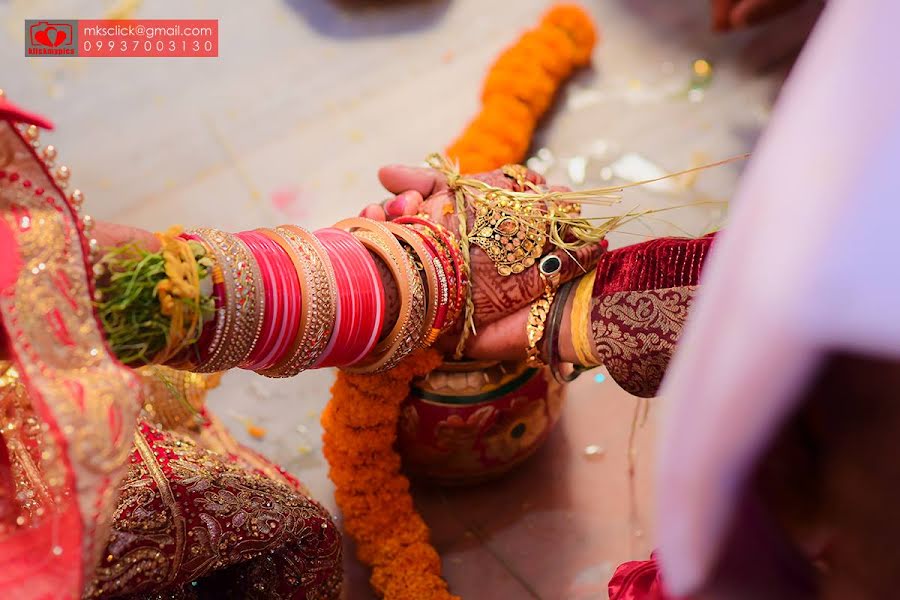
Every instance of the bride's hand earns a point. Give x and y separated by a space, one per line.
496 297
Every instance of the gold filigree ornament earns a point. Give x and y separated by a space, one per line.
512 242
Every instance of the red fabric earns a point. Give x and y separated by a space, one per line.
243 531
641 299
638 580
655 264
46 554
11 112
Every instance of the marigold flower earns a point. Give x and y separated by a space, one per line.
527 75
360 422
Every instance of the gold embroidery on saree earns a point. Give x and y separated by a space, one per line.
635 333
237 517
60 350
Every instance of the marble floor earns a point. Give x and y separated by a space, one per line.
289 124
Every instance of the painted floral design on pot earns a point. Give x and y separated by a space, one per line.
472 421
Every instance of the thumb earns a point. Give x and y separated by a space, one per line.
400 178
501 340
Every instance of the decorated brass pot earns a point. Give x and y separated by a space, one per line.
471 421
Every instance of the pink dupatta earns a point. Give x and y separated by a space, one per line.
55 510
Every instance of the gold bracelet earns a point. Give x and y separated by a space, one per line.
549 268
244 302
581 321
318 302
406 335
423 256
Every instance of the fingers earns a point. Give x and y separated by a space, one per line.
405 204
535 177
572 264
113 234
399 178
501 340
374 212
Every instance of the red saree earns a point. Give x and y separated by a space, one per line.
108 488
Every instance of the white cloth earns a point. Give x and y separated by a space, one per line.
810 261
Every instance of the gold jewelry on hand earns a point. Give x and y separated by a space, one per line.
550 269
519 174
512 234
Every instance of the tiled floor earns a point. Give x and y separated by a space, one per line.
307 99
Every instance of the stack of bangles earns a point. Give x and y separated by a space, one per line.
288 300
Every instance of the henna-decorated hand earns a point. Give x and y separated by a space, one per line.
496 297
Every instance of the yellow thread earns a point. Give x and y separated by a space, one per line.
178 293
461 212
545 207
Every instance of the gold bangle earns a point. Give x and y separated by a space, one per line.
244 301
581 321
412 239
318 302
549 268
406 335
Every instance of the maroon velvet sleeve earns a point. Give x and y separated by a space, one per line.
656 264
640 302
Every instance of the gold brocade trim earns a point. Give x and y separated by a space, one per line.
635 332
86 400
168 501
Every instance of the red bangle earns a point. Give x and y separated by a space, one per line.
457 277
281 323
441 267
293 297
360 301
375 306
293 304
263 251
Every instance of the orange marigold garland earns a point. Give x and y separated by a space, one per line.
520 87
360 421
360 426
